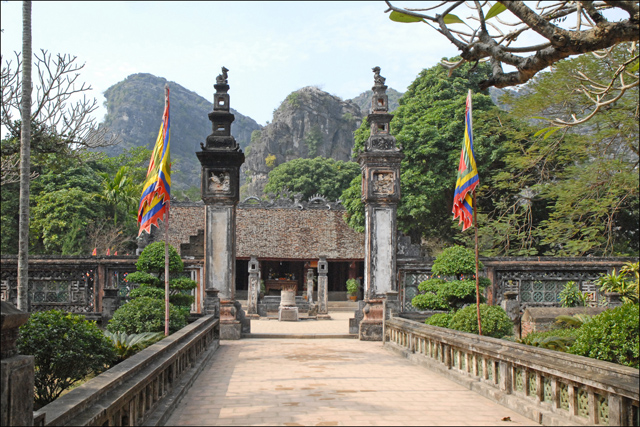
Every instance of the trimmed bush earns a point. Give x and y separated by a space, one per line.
146 314
441 295
439 319
555 339
66 348
495 322
611 336
455 261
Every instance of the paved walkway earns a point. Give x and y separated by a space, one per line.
328 382
338 324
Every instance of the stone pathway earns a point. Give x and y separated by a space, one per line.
338 324
328 382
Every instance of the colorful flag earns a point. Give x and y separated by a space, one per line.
467 175
156 190
95 252
108 252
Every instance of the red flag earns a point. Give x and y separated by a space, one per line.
95 252
116 253
108 252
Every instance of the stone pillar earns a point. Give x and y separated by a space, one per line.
288 310
323 285
254 287
380 165
511 305
17 371
221 159
310 285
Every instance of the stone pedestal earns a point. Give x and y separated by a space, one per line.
17 373
288 311
230 327
211 302
371 325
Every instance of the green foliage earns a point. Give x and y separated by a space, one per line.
145 314
495 322
555 339
570 296
151 260
293 99
352 202
439 319
150 275
455 261
611 336
352 286
308 177
441 295
575 321
270 160
66 348
126 345
619 283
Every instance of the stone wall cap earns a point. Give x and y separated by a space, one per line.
12 318
541 314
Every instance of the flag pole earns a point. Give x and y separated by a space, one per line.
166 246
475 226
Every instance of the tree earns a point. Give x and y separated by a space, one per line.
66 348
324 176
25 173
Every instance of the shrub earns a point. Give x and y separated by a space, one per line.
555 339
571 296
495 322
439 319
145 314
126 345
441 295
352 286
66 348
611 336
455 261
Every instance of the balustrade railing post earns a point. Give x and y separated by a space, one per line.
555 396
446 356
506 382
571 392
617 411
593 409
539 387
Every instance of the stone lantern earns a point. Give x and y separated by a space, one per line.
221 159
380 165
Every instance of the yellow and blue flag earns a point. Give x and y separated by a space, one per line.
468 178
156 191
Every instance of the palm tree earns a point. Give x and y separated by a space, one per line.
25 161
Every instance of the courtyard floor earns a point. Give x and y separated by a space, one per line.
327 382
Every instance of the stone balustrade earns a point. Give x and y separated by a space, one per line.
142 389
550 387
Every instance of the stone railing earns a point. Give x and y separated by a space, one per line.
142 389
550 387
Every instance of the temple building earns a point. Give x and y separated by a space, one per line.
286 235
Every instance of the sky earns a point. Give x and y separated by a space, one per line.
270 48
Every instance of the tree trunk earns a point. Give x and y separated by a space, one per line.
25 162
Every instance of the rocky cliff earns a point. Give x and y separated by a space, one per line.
134 110
364 100
308 123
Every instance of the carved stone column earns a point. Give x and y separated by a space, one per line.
323 285
18 371
221 159
254 288
380 165
310 285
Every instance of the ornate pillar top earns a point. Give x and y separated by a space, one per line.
379 117
221 118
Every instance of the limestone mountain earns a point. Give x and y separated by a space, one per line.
364 100
308 123
134 110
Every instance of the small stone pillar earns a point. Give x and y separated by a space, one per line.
18 371
288 311
310 285
511 305
109 304
254 287
323 285
221 159
380 165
